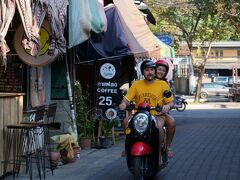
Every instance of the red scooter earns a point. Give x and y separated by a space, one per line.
142 142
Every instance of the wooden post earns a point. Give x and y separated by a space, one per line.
113 136
99 131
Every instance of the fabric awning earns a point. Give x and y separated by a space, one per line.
165 49
141 40
113 41
84 17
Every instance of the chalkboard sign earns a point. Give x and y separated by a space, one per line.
11 79
107 85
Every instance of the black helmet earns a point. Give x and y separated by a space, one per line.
147 64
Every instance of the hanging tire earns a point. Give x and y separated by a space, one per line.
138 168
181 106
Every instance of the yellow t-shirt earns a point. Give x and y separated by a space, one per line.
150 93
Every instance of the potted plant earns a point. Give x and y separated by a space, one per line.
85 120
107 130
67 146
85 127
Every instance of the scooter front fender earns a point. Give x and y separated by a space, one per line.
140 148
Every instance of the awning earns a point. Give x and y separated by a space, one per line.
84 17
144 9
165 49
111 43
141 40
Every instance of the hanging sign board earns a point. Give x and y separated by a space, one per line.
43 58
107 85
168 40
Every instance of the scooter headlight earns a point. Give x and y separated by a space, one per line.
140 122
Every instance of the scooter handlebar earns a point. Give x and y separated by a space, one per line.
157 108
132 106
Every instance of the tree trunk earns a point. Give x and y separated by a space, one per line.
200 75
199 82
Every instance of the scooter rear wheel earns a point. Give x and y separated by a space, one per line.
182 106
138 168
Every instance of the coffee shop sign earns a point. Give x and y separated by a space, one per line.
107 87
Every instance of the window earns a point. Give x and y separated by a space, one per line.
220 79
218 86
217 54
207 85
221 53
238 53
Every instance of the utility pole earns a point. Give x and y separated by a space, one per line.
234 74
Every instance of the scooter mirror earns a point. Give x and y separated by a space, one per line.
123 92
167 94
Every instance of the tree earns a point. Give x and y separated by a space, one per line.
202 21
231 10
213 28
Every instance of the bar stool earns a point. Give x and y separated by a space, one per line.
44 120
30 142
42 137
21 141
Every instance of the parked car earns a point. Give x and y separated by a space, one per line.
214 89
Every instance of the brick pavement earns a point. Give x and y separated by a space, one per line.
212 149
207 148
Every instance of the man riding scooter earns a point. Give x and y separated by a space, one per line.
148 90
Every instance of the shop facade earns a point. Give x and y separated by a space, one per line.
41 68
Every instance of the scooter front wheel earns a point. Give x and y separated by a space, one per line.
138 168
181 106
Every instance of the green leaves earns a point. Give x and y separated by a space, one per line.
197 20
85 120
107 127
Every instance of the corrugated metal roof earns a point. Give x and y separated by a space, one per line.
221 44
216 44
220 66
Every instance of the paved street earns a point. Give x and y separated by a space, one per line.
206 146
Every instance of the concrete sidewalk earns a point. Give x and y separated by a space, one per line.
210 103
90 162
